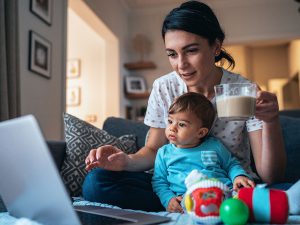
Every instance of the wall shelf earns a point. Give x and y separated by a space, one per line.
137 95
141 65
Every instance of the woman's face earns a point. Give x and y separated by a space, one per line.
191 56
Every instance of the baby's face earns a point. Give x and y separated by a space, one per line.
184 129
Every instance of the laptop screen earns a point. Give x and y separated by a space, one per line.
35 181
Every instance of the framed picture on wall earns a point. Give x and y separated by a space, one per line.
42 9
73 96
73 68
135 85
39 55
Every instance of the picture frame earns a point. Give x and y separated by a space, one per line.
42 9
73 96
73 68
135 84
39 55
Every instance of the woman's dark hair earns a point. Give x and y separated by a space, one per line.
195 103
197 18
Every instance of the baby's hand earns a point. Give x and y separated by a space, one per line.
242 181
174 205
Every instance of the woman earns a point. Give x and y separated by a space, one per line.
193 40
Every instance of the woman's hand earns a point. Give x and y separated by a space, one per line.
111 158
242 181
267 145
174 205
107 157
266 106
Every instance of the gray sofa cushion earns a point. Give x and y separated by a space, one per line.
290 129
119 126
291 136
58 151
290 112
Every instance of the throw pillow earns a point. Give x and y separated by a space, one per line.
81 137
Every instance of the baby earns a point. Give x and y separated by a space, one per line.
190 118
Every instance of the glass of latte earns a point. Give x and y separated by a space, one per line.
235 101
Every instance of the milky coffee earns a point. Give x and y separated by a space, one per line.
238 107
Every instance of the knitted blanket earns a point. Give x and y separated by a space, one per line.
176 218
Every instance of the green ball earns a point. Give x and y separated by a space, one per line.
234 212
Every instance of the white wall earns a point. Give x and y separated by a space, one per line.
270 62
243 22
115 15
85 44
261 63
294 57
44 98
110 88
148 22
258 20
244 63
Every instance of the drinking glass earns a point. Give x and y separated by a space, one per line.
235 101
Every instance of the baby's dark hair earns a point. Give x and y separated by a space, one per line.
195 103
197 18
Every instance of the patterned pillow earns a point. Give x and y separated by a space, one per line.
81 137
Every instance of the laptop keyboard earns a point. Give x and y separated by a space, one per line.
93 219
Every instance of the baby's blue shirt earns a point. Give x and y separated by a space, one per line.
172 165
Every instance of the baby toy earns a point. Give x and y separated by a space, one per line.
234 212
265 205
209 201
203 197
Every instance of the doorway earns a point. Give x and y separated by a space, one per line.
90 75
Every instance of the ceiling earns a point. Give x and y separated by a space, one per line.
142 4
133 5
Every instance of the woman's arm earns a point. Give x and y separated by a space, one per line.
111 158
267 144
144 158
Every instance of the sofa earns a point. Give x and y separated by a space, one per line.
289 119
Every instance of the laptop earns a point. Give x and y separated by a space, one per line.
31 185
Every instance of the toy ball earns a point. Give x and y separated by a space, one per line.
203 198
234 212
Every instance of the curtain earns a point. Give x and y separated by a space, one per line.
9 60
